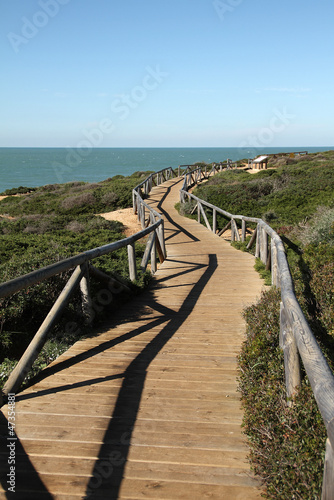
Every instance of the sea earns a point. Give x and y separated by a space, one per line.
33 167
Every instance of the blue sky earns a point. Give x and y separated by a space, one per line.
177 73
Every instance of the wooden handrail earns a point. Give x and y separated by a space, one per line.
296 337
295 333
153 226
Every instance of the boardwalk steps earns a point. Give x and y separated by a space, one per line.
149 408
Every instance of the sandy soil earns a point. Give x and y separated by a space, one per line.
127 217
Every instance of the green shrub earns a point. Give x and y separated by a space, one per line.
287 443
79 201
321 227
6 368
322 286
263 272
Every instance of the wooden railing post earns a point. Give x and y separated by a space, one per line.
268 263
24 365
328 477
161 238
243 230
258 241
134 202
87 305
235 232
233 235
291 356
205 217
253 237
154 255
132 262
214 221
143 215
264 246
138 209
274 268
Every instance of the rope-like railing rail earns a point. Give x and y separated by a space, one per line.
296 338
152 226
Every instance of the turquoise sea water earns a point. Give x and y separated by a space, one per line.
31 167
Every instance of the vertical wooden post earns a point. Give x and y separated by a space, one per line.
251 242
198 212
282 325
328 477
154 255
264 246
87 305
161 232
233 235
258 241
214 221
268 263
22 368
132 262
291 356
143 215
138 209
134 202
274 270
243 234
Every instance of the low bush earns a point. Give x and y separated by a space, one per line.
81 201
322 285
287 442
263 272
320 229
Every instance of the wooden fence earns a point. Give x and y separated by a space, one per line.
152 226
296 337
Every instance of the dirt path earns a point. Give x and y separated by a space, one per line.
126 217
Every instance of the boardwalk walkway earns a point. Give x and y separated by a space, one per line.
149 408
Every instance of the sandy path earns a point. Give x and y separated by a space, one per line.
126 217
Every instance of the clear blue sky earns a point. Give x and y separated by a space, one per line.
156 73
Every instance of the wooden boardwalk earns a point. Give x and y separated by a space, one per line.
148 409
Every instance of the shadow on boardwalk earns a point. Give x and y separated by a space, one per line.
108 472
109 469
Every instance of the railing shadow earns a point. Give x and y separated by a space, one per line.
25 472
109 468
178 229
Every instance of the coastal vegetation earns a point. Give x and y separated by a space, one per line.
295 197
41 226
